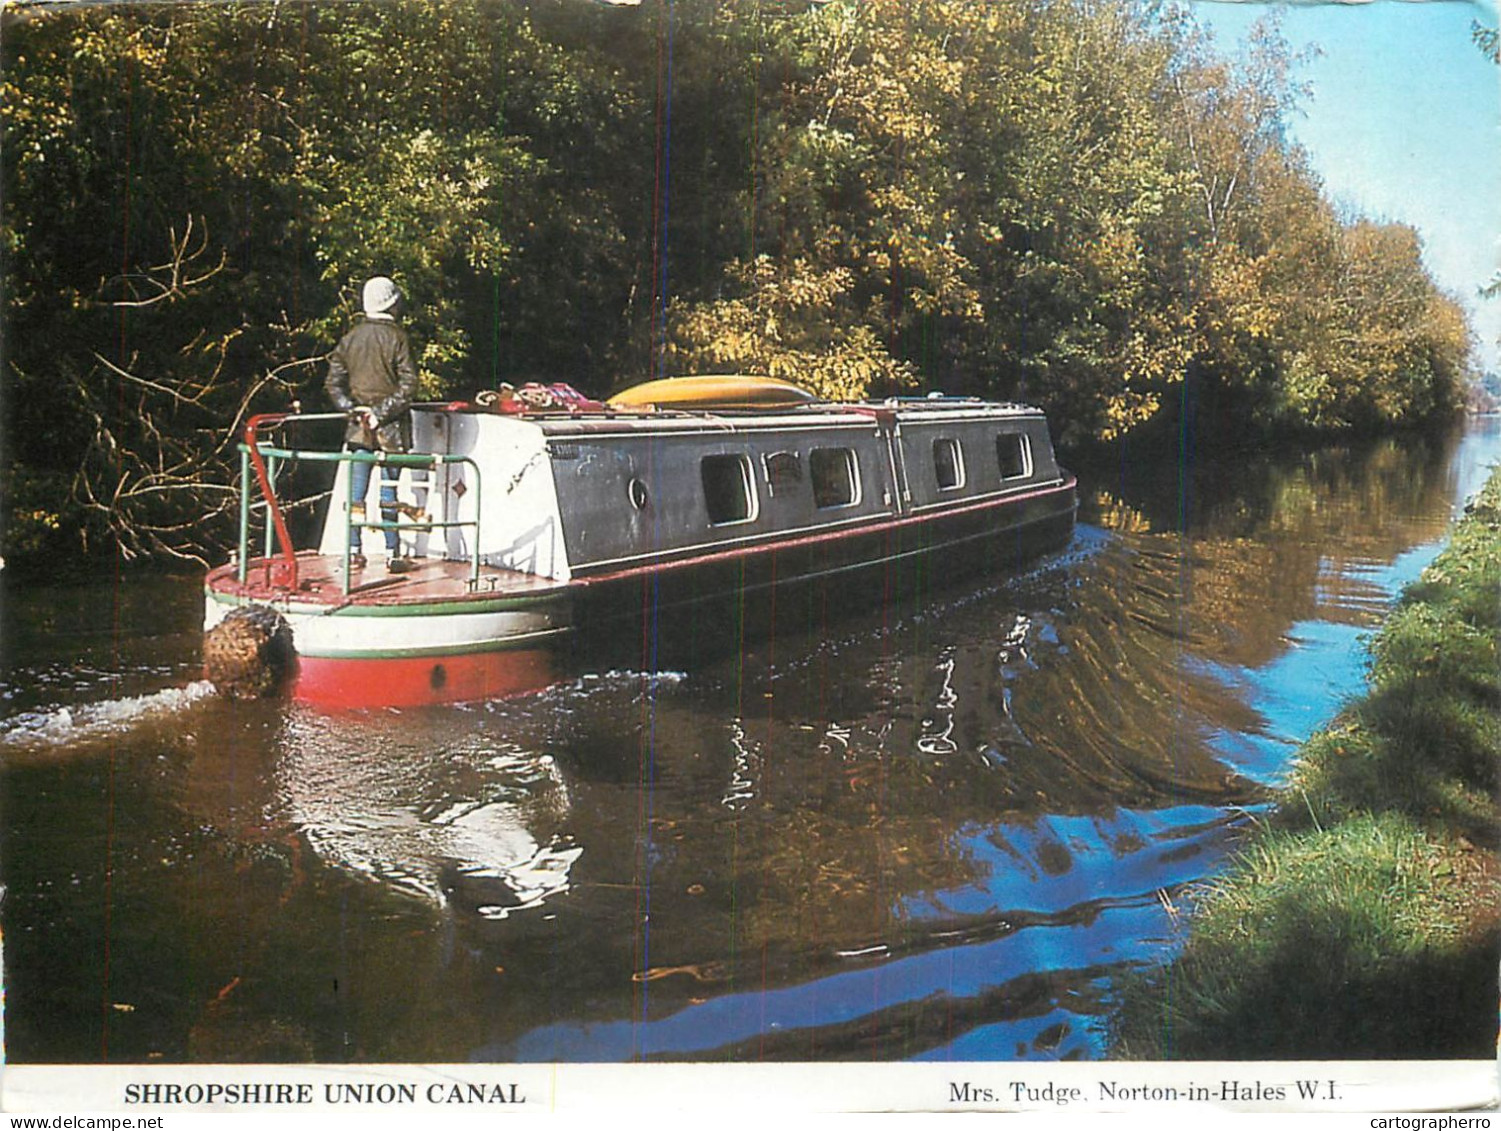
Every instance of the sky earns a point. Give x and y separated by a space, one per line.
1404 124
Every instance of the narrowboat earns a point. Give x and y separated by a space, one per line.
538 526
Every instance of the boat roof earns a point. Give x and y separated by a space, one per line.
564 422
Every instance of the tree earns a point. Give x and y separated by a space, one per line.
1075 202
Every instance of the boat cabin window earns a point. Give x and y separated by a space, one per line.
948 463
727 488
1014 455
835 482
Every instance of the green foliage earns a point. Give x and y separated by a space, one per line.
795 326
1073 202
447 189
194 194
1350 944
33 527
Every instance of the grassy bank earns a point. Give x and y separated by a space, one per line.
1360 919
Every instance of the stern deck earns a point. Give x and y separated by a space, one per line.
320 581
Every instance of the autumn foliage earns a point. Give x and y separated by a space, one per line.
1073 202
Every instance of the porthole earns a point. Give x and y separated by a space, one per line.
636 491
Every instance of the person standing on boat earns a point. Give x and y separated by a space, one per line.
371 378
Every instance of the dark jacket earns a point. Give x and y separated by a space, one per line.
372 366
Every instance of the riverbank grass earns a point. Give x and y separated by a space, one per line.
1361 919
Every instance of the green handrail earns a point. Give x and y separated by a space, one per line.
255 454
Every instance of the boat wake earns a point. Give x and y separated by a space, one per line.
57 727
617 680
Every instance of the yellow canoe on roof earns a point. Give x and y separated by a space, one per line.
708 393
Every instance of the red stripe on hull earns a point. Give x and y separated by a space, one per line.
417 681
880 528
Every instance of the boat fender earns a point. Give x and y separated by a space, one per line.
249 654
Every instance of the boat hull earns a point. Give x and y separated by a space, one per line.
343 682
407 640
414 640
687 610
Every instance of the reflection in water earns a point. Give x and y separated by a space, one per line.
742 787
970 809
939 830
464 821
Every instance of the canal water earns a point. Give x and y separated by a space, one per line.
938 830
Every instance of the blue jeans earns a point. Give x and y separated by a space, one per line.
359 487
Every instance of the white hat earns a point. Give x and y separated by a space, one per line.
380 295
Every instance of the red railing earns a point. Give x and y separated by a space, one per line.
281 571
